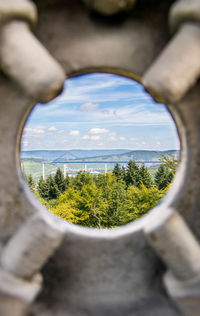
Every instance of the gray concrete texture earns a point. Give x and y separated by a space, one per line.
88 272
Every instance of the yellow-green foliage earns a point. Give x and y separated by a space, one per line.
107 205
67 211
139 201
103 201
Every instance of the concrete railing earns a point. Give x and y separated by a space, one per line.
50 267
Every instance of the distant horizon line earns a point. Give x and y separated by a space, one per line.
100 149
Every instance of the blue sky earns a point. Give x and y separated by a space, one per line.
100 111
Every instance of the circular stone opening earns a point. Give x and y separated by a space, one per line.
102 154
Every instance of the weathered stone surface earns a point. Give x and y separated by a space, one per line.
94 273
175 244
186 294
110 7
176 70
31 246
18 9
16 294
82 43
184 11
21 54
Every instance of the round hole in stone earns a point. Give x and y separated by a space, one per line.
102 154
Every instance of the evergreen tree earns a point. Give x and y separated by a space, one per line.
114 202
67 181
132 174
117 171
60 180
31 182
145 177
170 176
53 191
123 170
82 178
43 188
163 177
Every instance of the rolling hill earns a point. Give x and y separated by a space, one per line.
95 155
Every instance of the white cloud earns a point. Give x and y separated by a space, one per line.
89 107
95 137
112 138
91 137
74 133
158 143
33 131
85 137
96 131
52 129
99 106
124 115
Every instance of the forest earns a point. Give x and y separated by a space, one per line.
105 200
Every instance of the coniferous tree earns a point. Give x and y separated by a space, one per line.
170 176
60 180
163 177
132 174
123 170
117 171
53 191
67 180
82 178
43 188
31 182
145 177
